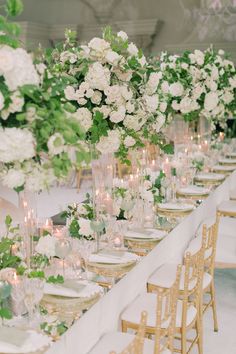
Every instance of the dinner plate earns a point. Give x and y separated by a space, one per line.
176 206
209 177
146 234
193 190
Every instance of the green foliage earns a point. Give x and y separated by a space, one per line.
36 274
55 328
14 7
55 279
7 259
100 127
6 313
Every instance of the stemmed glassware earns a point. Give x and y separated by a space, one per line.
63 248
33 293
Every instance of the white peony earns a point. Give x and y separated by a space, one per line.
47 246
118 116
134 122
232 81
84 117
110 143
16 145
176 89
122 35
98 77
17 67
129 141
17 103
227 97
221 52
211 84
105 110
132 49
2 100
56 144
85 227
211 101
13 178
39 178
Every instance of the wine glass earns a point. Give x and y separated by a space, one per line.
33 293
62 249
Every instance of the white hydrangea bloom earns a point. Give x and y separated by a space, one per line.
98 76
211 101
129 141
13 178
84 117
47 246
16 145
85 227
122 35
56 144
176 89
110 143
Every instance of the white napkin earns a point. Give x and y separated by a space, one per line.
224 168
111 258
232 154
72 288
176 206
146 234
194 190
21 342
211 176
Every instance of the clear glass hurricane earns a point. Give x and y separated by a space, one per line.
62 250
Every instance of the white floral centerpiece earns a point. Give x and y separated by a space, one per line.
199 83
104 84
38 137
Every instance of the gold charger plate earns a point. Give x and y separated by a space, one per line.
115 270
174 212
193 196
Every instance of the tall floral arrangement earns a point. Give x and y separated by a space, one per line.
199 83
39 138
104 84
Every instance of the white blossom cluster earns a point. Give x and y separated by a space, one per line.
196 84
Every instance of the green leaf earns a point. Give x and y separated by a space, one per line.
5 313
14 7
168 149
8 221
55 279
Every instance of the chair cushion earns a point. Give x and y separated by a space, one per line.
228 206
233 194
226 249
118 341
148 302
195 246
164 277
208 222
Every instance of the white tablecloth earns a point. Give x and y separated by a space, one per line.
104 315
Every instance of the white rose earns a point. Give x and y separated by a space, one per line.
142 61
98 76
188 105
89 93
228 97
151 103
126 93
199 57
2 100
119 115
134 122
163 106
211 101
165 87
129 141
84 117
184 66
98 47
85 227
130 107
215 73
123 75
96 97
221 52
105 110
82 101
232 81
212 85
13 178
132 49
160 121
153 82
47 246
16 145
176 89
175 105
112 57
17 102
56 144
70 93
68 56
122 35
110 143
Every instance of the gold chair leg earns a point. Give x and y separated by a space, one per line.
78 179
213 299
199 334
124 327
183 341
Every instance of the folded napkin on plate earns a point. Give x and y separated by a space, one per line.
211 176
176 206
224 168
13 340
194 190
70 288
12 335
146 234
112 257
227 161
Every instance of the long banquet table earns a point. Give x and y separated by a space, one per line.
104 315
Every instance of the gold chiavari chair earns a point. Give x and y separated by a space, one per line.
189 306
210 233
137 344
160 324
227 208
84 173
